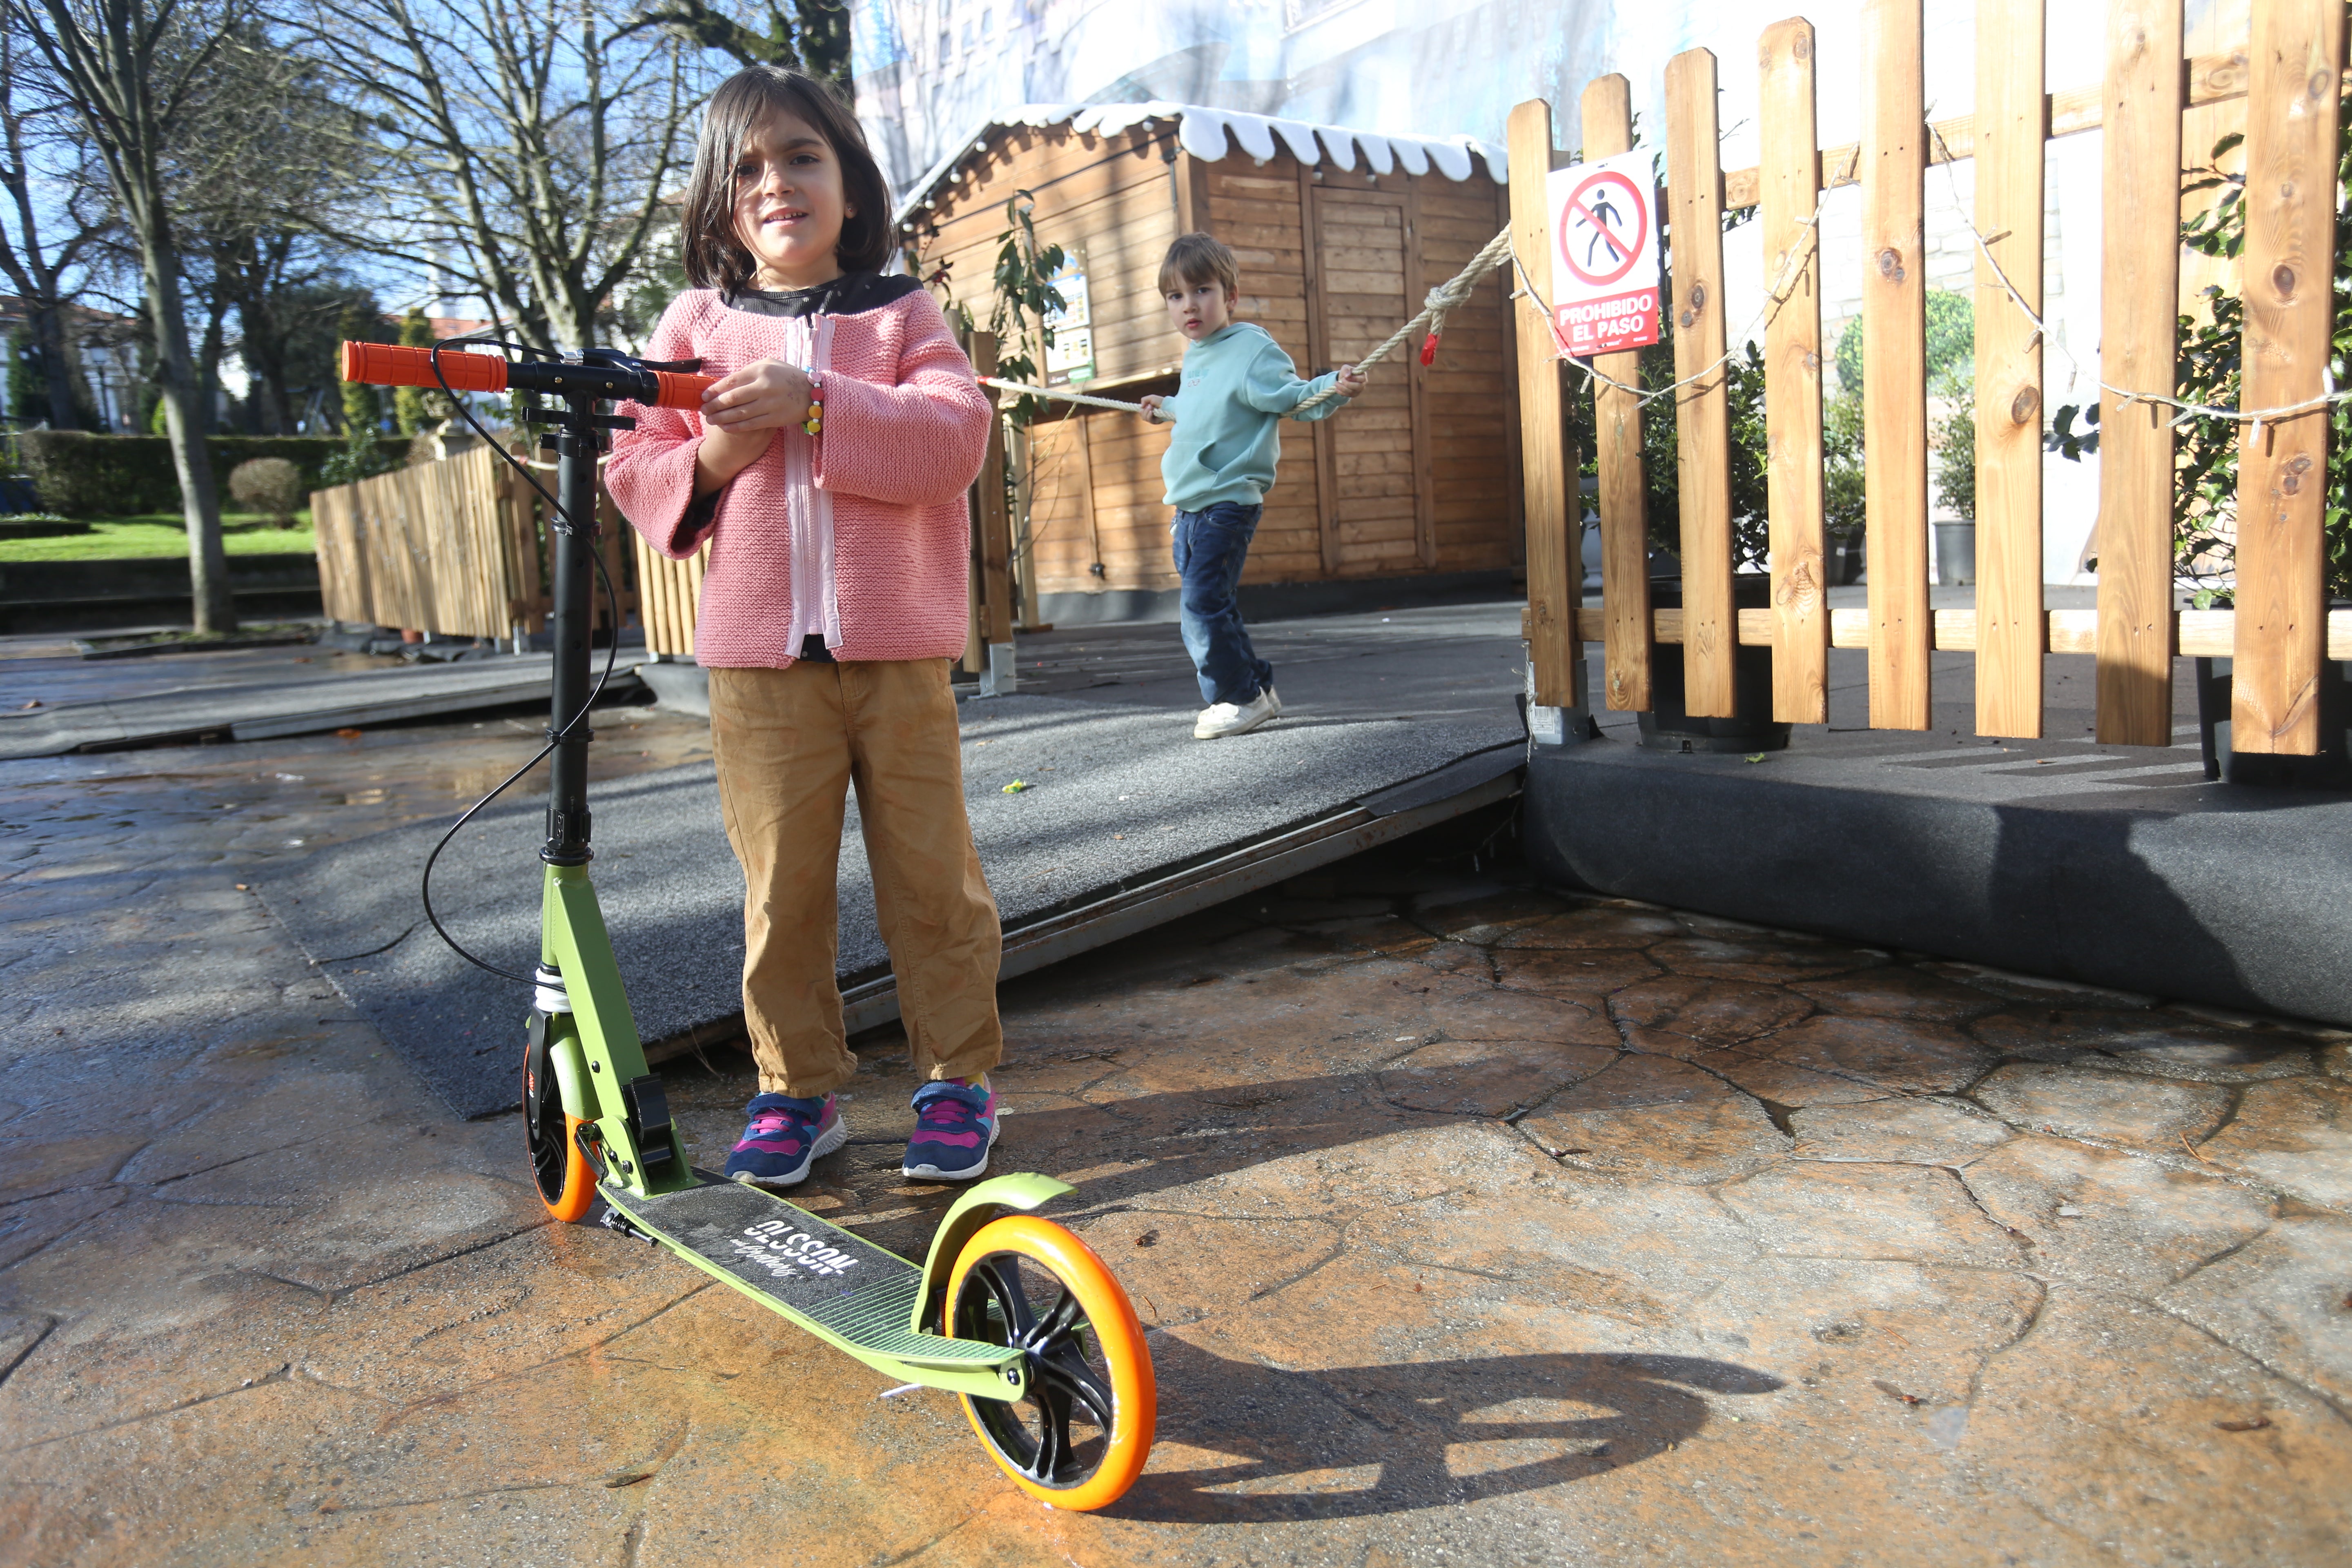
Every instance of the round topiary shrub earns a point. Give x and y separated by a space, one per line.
272 486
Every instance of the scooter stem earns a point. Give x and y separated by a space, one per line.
572 541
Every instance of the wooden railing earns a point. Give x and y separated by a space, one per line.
2290 77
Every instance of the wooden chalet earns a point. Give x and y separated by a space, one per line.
1339 234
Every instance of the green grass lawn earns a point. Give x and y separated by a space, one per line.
158 534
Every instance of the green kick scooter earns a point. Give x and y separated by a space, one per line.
1009 1312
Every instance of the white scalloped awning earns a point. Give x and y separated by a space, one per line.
1212 134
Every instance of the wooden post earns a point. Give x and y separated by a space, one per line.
993 522
2140 281
1023 452
1789 188
2011 131
1547 477
2290 268
1320 433
1422 449
1608 112
1703 410
992 535
1894 361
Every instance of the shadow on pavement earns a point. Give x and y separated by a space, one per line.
1393 1439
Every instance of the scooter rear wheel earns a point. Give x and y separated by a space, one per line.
1080 1435
567 1184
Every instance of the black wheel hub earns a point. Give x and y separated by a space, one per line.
1059 1433
543 1115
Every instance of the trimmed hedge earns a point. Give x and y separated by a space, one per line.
82 474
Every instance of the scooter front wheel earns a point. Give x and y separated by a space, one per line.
567 1184
1080 1435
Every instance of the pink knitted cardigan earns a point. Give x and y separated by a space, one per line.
882 487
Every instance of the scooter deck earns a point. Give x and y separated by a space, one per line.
839 1286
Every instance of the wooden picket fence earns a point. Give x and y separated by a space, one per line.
2290 81
456 547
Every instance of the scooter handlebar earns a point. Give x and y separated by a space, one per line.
386 365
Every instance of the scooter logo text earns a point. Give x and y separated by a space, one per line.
776 1237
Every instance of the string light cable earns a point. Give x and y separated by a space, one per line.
2125 397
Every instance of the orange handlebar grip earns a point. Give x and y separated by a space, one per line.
681 390
386 365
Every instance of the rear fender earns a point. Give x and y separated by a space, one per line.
963 1221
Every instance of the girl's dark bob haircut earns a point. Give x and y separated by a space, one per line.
715 258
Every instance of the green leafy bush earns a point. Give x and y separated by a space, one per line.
80 475
2206 371
1951 342
362 455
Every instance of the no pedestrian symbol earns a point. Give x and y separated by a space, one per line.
1605 255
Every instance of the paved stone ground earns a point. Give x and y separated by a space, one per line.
1473 1224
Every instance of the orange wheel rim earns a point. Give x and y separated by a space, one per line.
1105 1465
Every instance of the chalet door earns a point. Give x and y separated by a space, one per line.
1373 458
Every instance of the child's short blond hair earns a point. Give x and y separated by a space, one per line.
1196 258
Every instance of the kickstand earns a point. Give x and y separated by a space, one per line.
615 1221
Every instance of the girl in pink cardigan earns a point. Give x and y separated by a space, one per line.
827 470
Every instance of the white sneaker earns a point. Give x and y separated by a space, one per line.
1221 719
1267 693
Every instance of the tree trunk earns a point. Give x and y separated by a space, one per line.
216 610
49 331
208 359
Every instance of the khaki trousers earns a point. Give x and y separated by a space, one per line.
790 744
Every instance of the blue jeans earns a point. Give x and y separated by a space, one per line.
1211 547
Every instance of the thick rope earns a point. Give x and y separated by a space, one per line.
1448 296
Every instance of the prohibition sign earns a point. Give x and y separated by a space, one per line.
1585 202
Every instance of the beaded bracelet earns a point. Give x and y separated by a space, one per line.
814 423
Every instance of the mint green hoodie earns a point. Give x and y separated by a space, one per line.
1237 383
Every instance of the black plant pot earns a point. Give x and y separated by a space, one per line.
1667 727
2330 769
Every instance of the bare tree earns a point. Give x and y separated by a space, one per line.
270 164
528 148
810 34
132 70
37 151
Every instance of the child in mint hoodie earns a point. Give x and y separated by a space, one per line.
1236 384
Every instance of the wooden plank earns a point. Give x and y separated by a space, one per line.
1608 114
2140 281
2211 78
2200 634
2292 106
1191 177
2009 155
992 521
1318 352
1894 362
1701 410
1548 472
1790 197
1086 491
1510 518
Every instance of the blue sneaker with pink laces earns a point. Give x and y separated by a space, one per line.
955 1126
784 1136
